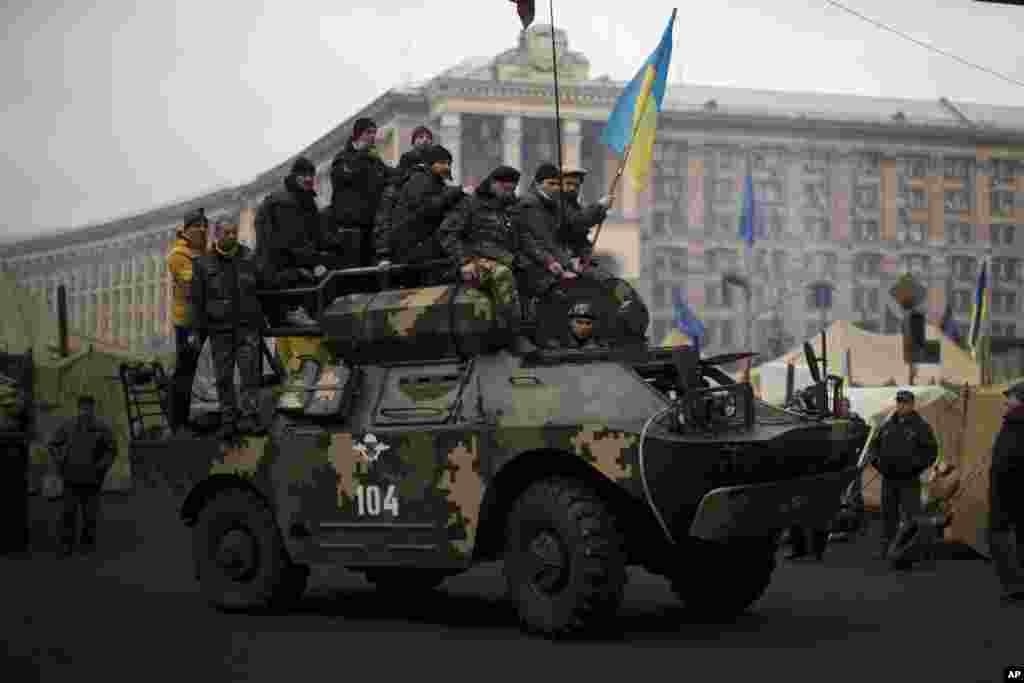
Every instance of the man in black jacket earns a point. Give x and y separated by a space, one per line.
290 246
358 179
1006 509
574 233
383 224
229 313
83 450
425 201
904 448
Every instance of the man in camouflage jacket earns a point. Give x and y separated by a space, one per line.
486 246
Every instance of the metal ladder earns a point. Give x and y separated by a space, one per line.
145 385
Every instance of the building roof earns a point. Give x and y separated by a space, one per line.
719 101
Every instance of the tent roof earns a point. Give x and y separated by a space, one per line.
875 359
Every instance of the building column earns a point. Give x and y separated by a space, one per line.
451 138
512 142
572 143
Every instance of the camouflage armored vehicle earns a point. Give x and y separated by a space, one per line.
424 444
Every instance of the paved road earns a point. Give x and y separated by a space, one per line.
132 613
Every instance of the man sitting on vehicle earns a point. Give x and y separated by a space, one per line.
486 246
425 201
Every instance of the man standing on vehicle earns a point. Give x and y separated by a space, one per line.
422 138
1006 506
358 179
228 310
189 245
904 448
290 245
83 450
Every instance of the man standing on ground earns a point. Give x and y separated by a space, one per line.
83 450
904 449
1006 508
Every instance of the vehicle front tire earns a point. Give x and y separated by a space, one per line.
564 559
241 561
722 580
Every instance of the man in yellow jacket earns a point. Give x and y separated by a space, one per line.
189 245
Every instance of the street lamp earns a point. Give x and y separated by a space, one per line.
736 280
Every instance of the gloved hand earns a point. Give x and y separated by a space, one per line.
578 264
193 341
555 268
320 271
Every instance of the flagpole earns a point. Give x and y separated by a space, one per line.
558 116
629 148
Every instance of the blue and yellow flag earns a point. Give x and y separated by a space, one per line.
747 211
635 118
979 311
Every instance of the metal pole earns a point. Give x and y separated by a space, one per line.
62 319
558 118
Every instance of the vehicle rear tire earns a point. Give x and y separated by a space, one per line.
406 579
564 559
722 581
240 559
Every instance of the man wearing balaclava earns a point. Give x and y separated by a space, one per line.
189 244
290 245
426 200
227 309
383 223
358 179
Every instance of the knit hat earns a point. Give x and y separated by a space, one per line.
431 154
303 166
361 126
196 217
580 173
581 310
505 173
545 171
418 131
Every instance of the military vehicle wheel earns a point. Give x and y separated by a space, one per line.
723 583
564 559
241 561
405 580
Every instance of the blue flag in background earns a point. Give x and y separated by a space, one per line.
685 320
747 222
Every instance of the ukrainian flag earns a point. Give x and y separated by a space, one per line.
633 121
979 311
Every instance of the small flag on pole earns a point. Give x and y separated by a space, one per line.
980 310
526 11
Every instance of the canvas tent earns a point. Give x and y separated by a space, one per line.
877 359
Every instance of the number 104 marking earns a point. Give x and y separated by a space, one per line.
368 500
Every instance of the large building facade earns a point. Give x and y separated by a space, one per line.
853 191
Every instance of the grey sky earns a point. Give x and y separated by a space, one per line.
112 110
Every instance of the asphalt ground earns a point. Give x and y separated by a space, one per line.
132 612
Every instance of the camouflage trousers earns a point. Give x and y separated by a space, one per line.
242 349
499 281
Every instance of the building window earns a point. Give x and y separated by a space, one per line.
1004 170
865 231
822 264
957 201
960 233
814 196
724 190
718 296
1006 269
1003 234
915 233
866 197
957 168
658 296
918 199
814 328
917 167
868 265
964 268
866 300
1004 303
1002 204
727 334
916 264
817 229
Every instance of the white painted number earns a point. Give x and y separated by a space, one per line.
368 500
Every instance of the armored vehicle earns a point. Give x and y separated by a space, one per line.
425 442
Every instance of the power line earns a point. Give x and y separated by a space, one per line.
926 45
